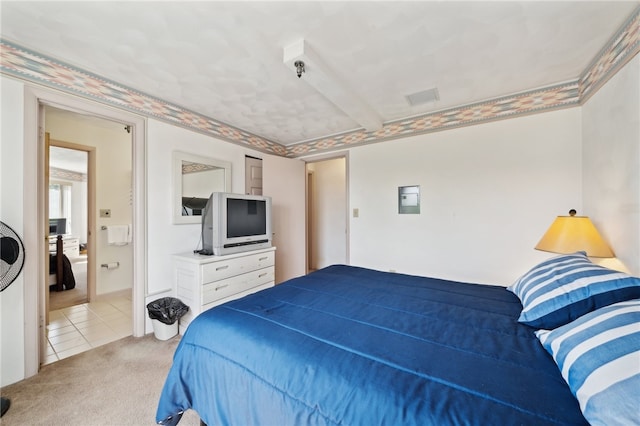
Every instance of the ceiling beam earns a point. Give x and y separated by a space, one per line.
319 76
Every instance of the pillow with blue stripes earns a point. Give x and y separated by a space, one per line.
568 286
599 357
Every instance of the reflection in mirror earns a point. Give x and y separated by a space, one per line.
195 178
198 182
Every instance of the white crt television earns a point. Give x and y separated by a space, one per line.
233 223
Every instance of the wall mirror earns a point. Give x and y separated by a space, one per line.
194 179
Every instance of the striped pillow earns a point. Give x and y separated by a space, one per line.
599 357
566 287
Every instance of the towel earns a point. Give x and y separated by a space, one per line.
118 235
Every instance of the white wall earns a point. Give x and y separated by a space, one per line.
611 178
113 191
488 193
11 212
164 237
79 210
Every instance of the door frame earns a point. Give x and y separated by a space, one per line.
35 97
309 205
91 210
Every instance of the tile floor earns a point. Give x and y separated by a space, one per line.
82 327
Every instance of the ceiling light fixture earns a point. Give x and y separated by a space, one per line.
330 85
299 68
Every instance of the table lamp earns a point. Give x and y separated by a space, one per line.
570 234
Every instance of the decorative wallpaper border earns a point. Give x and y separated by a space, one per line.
189 167
622 47
35 67
56 173
545 99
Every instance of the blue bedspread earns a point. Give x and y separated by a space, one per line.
353 346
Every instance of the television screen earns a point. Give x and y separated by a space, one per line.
246 217
233 223
58 226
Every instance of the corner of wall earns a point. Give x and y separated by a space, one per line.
611 162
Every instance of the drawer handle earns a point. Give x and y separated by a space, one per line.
263 258
220 268
262 275
221 287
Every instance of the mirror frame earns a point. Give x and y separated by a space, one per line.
176 187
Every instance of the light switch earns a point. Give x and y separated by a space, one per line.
356 212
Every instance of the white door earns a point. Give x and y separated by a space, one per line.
284 182
253 175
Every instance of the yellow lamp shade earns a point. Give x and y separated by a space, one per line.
569 234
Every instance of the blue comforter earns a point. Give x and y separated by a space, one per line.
347 345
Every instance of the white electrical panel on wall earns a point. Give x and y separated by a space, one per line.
409 199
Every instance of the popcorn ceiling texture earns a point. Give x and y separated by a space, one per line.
281 115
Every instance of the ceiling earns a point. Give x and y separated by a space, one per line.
68 159
225 60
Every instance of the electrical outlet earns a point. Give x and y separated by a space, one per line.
105 212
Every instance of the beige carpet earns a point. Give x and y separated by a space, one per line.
115 384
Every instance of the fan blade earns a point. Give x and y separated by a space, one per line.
9 250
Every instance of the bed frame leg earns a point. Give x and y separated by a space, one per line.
171 420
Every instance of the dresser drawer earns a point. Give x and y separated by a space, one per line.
70 246
220 289
229 268
203 282
70 243
72 252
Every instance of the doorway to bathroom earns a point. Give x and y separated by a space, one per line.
88 190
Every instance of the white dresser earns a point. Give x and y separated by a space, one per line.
70 246
203 282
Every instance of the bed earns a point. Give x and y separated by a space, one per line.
61 275
349 345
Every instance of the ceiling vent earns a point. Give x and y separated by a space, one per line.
424 97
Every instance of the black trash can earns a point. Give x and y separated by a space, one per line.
164 314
